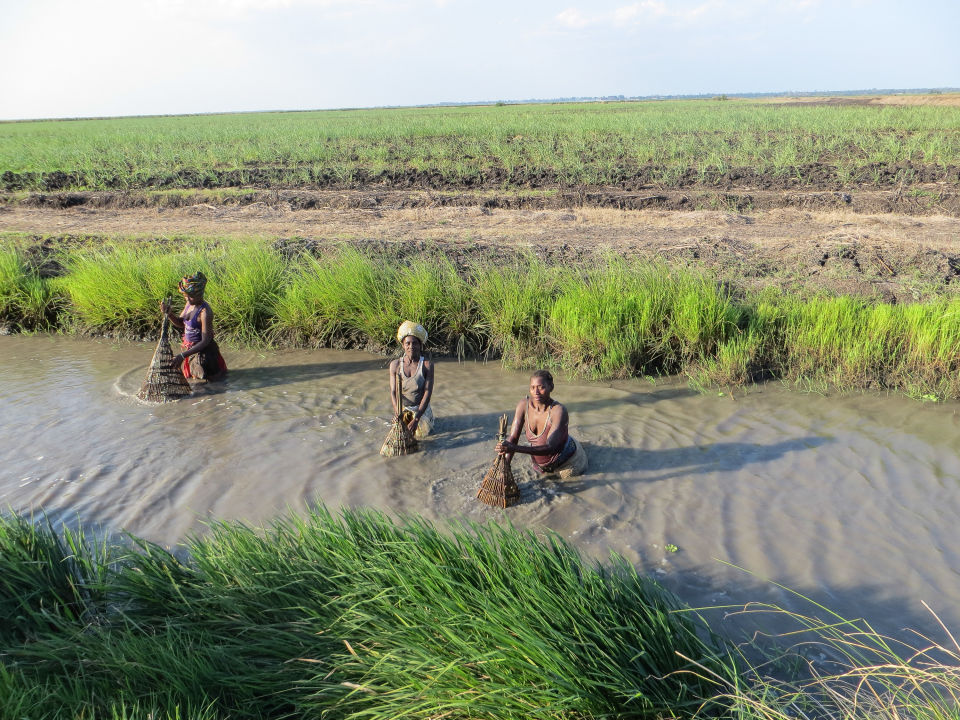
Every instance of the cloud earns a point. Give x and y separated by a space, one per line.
648 9
573 18
639 14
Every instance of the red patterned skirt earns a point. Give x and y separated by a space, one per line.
205 365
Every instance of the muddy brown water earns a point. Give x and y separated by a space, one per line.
852 501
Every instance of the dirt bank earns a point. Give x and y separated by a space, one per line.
820 241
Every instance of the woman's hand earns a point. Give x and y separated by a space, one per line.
165 307
505 446
412 425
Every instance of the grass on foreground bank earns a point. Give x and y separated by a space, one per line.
616 318
362 616
350 616
665 142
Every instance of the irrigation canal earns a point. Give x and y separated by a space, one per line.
851 500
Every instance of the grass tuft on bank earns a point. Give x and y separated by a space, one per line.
355 615
359 615
26 301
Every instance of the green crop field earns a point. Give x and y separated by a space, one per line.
667 143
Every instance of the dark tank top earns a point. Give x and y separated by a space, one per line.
545 461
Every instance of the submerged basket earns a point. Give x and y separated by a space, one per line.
399 441
164 381
498 487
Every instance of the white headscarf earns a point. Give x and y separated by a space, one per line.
411 328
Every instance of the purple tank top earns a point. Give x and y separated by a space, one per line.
192 330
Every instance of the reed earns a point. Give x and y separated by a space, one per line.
354 615
829 667
345 295
49 579
117 287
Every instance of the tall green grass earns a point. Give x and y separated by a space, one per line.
355 616
26 300
363 616
117 287
615 318
641 318
352 296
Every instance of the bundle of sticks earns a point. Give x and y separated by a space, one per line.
164 381
399 441
498 488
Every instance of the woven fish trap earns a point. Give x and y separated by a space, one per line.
164 381
498 487
399 440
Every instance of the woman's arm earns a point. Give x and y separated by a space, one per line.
393 386
175 320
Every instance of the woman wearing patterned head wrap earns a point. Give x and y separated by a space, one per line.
199 356
416 374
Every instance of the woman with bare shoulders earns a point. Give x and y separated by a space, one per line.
545 423
199 357
416 373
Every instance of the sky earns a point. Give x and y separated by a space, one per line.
97 58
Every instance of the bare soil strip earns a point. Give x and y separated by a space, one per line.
827 245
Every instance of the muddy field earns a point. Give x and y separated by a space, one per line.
896 246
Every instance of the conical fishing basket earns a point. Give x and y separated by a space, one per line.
498 487
164 381
399 441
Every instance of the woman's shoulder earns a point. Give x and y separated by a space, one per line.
558 410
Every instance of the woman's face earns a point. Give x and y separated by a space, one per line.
192 298
540 389
411 345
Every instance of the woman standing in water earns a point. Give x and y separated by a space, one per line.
416 380
546 424
199 357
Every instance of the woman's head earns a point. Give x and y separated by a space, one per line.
193 285
541 385
412 331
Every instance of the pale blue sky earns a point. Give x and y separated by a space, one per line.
78 58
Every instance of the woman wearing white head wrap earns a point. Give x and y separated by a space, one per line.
416 374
